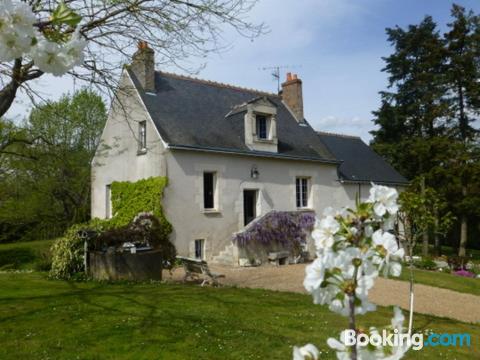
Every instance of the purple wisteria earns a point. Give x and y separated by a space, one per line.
285 228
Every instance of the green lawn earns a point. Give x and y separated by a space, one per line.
23 255
443 280
45 319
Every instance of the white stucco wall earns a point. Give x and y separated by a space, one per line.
183 200
116 158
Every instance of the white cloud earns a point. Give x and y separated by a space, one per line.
348 126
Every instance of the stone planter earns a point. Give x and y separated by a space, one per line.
145 265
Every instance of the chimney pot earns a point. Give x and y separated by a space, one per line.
143 66
292 95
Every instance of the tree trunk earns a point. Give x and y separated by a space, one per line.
7 95
462 250
425 238
436 237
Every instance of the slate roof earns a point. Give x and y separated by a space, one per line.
359 162
192 114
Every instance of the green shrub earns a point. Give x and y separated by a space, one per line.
426 264
128 200
68 251
44 261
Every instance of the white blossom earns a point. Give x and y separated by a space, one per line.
19 38
389 253
343 352
384 200
49 57
307 352
324 233
314 274
349 259
57 59
16 30
398 319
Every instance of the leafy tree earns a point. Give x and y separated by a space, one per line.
426 117
47 180
463 74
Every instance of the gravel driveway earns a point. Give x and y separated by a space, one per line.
428 299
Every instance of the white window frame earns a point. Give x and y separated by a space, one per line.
267 127
201 247
214 189
142 137
304 200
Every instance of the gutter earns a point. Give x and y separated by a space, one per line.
251 153
345 181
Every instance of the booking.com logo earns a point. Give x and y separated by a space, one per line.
415 341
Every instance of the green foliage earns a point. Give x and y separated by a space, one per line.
15 257
426 263
45 167
130 199
425 210
65 15
427 117
68 251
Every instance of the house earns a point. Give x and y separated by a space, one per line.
231 155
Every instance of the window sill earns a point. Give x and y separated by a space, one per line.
211 211
305 209
141 152
265 141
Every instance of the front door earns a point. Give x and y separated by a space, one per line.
249 205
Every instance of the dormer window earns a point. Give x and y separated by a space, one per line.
262 132
260 122
142 137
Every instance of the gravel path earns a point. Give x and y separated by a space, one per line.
428 299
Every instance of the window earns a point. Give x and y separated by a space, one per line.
199 249
261 126
209 190
301 187
142 136
108 202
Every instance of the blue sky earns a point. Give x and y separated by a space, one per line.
336 46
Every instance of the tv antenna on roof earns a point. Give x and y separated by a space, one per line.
275 71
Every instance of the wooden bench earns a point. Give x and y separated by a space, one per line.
279 257
195 268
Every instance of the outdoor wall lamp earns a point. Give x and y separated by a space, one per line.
254 172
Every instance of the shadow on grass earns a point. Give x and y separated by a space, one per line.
15 257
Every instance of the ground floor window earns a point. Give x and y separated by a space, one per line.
301 187
199 249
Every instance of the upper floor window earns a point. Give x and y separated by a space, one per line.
209 190
142 136
108 201
301 187
262 132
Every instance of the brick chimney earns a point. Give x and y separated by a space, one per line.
143 66
291 94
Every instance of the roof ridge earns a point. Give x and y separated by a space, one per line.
338 135
216 83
